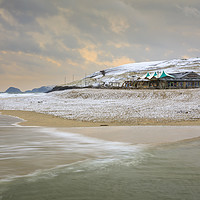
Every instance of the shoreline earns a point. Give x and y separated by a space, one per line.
151 134
32 118
140 135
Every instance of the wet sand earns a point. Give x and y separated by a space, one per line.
139 134
153 132
38 119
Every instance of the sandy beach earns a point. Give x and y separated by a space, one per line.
32 118
151 135
142 132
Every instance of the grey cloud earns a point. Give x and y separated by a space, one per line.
189 11
55 52
70 42
26 8
153 30
17 41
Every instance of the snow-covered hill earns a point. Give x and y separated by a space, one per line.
127 71
175 65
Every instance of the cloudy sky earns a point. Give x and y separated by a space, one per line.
42 41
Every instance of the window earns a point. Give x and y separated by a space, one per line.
188 84
196 84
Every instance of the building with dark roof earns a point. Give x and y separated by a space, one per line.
164 80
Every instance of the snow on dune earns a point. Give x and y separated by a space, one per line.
104 105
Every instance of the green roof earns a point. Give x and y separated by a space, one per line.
148 74
164 75
155 74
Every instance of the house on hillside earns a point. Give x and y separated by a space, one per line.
164 80
114 85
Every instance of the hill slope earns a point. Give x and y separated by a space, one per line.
40 90
127 71
13 90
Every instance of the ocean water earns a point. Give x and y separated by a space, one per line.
44 163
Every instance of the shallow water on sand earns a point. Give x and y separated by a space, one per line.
44 163
23 150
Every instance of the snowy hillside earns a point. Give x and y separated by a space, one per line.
104 105
175 65
127 71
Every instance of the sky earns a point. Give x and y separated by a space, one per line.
48 42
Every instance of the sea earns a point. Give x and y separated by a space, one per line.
39 163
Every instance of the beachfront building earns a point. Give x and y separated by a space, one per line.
163 80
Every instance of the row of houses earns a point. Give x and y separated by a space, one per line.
163 80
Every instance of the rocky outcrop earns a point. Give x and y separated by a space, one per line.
60 88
